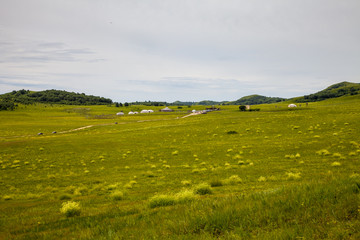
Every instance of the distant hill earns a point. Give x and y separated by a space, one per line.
53 97
334 91
256 99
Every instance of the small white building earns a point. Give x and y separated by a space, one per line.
130 113
120 114
292 105
144 111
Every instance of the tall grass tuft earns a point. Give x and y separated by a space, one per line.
70 209
293 176
234 179
117 195
203 189
216 183
185 196
162 200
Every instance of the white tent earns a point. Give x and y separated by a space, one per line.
120 114
194 111
292 105
144 111
136 112
151 111
131 112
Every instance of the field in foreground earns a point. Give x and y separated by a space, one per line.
272 174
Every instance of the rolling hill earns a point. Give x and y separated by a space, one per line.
334 91
53 97
256 99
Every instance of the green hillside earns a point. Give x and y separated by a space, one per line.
53 97
256 99
334 91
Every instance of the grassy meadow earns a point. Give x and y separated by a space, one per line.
277 173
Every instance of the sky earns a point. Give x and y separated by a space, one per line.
187 50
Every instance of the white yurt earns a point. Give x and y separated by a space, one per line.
120 114
151 111
136 112
167 109
194 111
144 111
131 112
292 105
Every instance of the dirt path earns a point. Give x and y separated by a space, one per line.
192 114
77 129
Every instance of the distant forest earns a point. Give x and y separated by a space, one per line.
9 100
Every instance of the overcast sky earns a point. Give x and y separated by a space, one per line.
186 50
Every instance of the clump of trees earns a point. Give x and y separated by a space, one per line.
6 105
242 108
53 97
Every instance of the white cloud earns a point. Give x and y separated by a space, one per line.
180 50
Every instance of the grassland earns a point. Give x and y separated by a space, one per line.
274 174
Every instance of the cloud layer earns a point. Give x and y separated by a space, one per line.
179 50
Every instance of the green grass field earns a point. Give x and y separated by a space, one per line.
274 174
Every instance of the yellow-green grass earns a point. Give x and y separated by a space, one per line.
272 152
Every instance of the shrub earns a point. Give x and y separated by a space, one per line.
161 201
70 209
203 189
